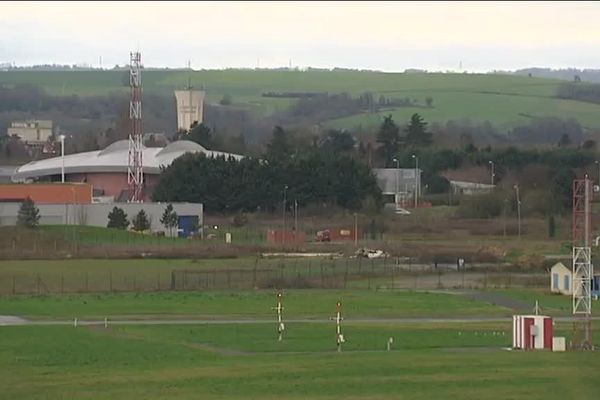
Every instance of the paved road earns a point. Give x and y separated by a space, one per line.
7 320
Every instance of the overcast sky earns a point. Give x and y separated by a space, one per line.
384 36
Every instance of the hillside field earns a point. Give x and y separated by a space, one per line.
503 100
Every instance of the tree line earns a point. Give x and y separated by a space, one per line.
306 176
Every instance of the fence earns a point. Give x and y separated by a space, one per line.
343 273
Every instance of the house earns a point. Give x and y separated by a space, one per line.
560 279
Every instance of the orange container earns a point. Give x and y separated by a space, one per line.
47 193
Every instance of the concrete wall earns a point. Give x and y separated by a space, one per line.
97 214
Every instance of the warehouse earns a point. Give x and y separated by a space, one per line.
106 170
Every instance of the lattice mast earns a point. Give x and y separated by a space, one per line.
135 170
583 269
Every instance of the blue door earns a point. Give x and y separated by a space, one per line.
566 282
555 281
188 224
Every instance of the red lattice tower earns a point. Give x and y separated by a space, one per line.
582 216
583 269
135 170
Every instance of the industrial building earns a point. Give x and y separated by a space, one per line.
190 108
190 215
32 132
106 170
398 184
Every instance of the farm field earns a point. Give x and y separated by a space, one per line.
501 99
467 361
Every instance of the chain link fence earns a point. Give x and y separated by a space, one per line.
340 273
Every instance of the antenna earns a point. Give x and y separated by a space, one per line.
135 170
583 269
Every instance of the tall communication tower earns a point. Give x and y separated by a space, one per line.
135 170
583 270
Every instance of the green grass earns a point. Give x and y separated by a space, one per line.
106 236
258 304
245 362
503 100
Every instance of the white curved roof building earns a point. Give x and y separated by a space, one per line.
106 169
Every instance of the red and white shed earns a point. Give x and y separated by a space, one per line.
532 332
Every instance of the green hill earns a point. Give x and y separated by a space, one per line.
501 99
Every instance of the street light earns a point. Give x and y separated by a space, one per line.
598 163
355 230
397 172
416 180
284 204
62 156
492 174
518 210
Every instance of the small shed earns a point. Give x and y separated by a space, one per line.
532 332
561 279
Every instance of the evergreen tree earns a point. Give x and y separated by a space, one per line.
140 222
169 219
117 219
29 214
416 132
389 138
564 141
551 226
200 134
279 147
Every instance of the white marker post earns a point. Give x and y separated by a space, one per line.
280 325
75 323
339 338
105 323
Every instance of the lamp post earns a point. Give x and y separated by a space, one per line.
518 210
284 204
62 156
492 173
355 230
598 163
416 179
397 172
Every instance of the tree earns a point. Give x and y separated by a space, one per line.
429 101
564 141
416 132
389 138
337 141
279 147
140 222
226 100
551 226
117 219
200 133
29 214
169 219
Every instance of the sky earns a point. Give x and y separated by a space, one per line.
386 36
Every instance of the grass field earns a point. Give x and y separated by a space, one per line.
428 359
502 100
246 362
224 305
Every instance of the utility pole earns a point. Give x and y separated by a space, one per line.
283 220
518 210
295 219
492 174
397 172
355 230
